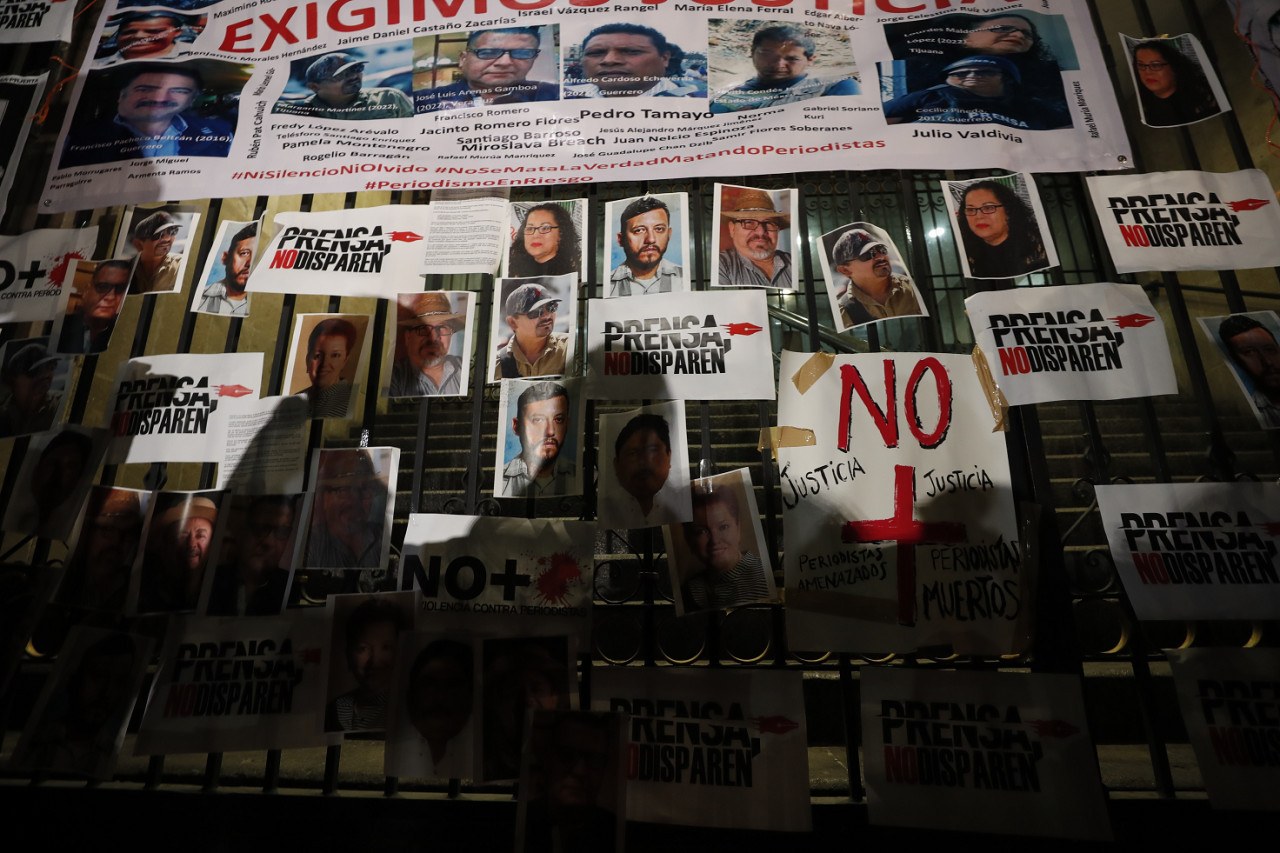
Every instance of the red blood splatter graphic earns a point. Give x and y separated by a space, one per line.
1272 528
59 272
404 237
1132 321
1054 728
1247 204
233 391
742 328
775 725
555 582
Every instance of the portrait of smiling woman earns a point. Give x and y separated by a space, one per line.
545 240
324 370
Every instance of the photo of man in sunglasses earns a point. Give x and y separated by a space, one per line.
534 348
878 285
88 324
493 68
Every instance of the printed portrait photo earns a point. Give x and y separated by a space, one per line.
754 65
33 387
159 240
257 556
364 646
754 242
138 110
78 722
223 287
148 34
626 60
539 446
108 538
650 252
572 785
350 508
430 355
867 279
519 674
496 66
1002 228
183 534
89 308
546 238
364 83
1248 345
964 68
54 481
328 360
1175 83
533 328
644 467
717 560
431 731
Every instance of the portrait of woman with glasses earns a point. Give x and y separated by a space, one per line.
1172 89
998 230
545 242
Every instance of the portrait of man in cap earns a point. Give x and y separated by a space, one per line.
533 346
97 575
180 542
426 361
157 267
348 516
977 90
93 305
753 221
336 81
28 372
866 279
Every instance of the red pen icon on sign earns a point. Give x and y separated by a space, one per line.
743 328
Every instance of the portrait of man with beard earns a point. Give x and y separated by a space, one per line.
180 543
647 483
531 312
541 425
425 363
646 226
253 572
753 222
866 277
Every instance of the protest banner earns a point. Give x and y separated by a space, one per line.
720 748
370 251
1230 703
1072 342
515 572
278 97
1005 753
36 20
176 408
1195 550
33 267
1188 220
899 530
239 683
680 346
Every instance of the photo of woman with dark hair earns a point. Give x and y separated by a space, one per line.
1172 89
545 242
328 352
999 231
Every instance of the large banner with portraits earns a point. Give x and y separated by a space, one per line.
899 528
1188 220
1196 550
722 748
277 97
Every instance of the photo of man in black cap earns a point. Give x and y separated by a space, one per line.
336 81
157 268
977 90
28 373
179 544
867 280
533 348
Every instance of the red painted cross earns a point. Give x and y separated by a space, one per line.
908 533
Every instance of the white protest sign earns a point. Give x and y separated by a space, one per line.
1196 550
33 267
899 526
1072 342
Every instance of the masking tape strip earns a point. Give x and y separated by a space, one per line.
818 364
995 399
786 436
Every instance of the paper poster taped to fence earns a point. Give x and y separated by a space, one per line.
1188 220
1196 550
981 752
712 748
1228 700
900 531
369 251
432 720
1072 342
18 99
1249 344
680 346
515 571
176 408
248 682
275 97
32 21
33 267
